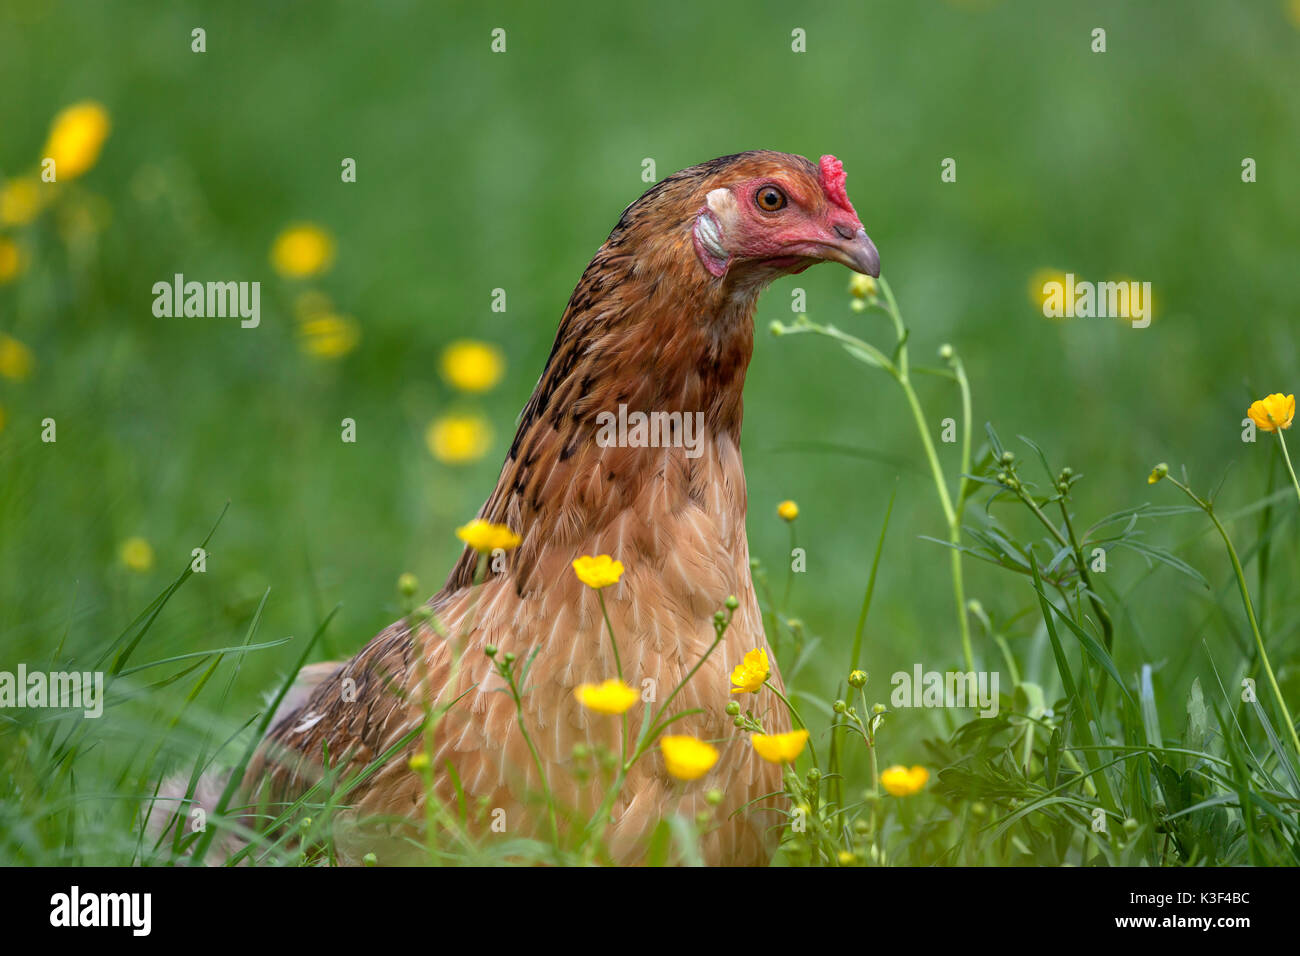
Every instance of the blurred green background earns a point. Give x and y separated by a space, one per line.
479 171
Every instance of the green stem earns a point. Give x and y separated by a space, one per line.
537 758
1103 616
1250 608
812 750
789 575
618 665
1289 468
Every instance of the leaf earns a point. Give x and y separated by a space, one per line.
1198 717
1150 716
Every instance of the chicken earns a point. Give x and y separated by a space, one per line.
661 321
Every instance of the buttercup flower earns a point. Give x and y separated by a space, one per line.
1039 280
861 286
419 761
780 748
458 439
76 137
687 758
11 260
598 572
137 554
788 510
472 366
328 336
20 200
302 250
15 359
750 673
607 697
1274 412
899 781
1158 472
485 537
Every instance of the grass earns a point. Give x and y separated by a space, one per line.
1074 768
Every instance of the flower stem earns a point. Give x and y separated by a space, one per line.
1289 468
1250 608
812 750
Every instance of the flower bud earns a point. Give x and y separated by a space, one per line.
857 679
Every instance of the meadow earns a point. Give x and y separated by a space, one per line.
1145 692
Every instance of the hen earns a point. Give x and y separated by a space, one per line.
661 321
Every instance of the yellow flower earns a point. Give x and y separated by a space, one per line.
608 697
458 439
76 137
1158 472
750 673
328 336
1273 412
780 748
901 782
472 366
11 260
598 572
15 359
20 200
1041 278
303 249
485 537
419 761
137 554
788 510
687 758
861 286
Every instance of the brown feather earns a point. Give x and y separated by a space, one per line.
647 326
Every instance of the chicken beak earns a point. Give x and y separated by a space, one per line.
856 250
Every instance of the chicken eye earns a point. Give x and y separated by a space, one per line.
769 199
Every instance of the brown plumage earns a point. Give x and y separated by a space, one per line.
661 320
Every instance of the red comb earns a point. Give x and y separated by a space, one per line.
833 184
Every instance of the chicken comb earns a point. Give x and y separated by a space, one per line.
833 177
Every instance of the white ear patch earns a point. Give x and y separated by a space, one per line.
710 226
